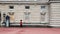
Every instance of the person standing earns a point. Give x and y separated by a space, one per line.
7 21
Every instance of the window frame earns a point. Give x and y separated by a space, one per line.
11 7
27 7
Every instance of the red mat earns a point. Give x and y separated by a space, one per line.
29 30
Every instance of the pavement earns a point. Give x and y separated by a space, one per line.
27 30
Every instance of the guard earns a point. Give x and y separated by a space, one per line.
7 21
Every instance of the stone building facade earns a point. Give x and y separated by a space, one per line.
32 12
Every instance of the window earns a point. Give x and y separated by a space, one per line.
42 7
11 7
27 7
4 15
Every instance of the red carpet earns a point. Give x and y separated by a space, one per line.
29 30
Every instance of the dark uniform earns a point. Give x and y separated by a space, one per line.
7 21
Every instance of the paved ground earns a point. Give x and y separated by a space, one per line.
29 30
